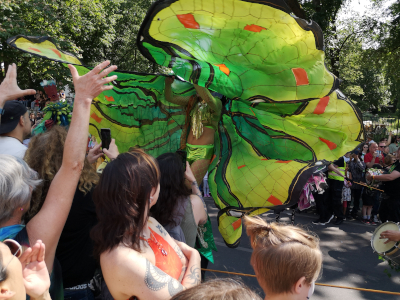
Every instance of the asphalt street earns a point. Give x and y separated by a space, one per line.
348 259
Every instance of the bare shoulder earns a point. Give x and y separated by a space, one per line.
196 202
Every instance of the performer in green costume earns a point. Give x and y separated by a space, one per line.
286 115
203 113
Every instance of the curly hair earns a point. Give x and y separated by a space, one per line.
45 155
172 189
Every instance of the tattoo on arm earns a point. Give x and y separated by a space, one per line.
162 230
194 275
179 252
155 279
196 191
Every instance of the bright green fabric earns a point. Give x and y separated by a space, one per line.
198 152
285 117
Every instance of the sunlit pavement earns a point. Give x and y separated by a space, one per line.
347 257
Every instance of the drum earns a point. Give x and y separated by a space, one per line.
390 250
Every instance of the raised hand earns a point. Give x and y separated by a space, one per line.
9 89
94 154
34 271
92 84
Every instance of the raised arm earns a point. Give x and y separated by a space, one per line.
9 89
389 141
178 100
214 103
49 222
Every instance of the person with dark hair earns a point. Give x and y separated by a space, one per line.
178 210
23 274
138 258
218 289
394 146
357 170
390 206
364 150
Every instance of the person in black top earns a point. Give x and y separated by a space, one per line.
75 247
390 206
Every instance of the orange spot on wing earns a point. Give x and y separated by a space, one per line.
254 28
301 76
237 224
170 122
110 99
57 52
265 159
283 161
275 201
330 144
34 49
321 106
188 21
224 68
96 117
241 167
214 156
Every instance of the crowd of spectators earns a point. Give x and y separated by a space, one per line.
130 232
370 173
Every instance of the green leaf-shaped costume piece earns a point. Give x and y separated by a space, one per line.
285 118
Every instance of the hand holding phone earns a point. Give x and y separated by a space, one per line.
105 137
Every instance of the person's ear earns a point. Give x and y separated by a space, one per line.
21 120
5 293
300 285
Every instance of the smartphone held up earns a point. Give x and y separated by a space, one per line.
105 137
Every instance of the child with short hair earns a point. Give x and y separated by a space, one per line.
286 259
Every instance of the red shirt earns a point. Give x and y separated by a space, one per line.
368 158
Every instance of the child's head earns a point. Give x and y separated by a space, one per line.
218 289
286 259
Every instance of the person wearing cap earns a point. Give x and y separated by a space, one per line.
14 117
357 170
15 127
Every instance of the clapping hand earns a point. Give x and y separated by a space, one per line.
9 89
34 271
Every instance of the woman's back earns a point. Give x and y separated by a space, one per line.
124 265
75 248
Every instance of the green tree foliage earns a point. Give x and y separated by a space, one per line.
95 30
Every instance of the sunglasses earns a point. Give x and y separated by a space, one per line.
382 146
14 247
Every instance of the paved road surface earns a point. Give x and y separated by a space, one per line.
348 259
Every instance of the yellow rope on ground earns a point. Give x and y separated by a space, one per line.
320 284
